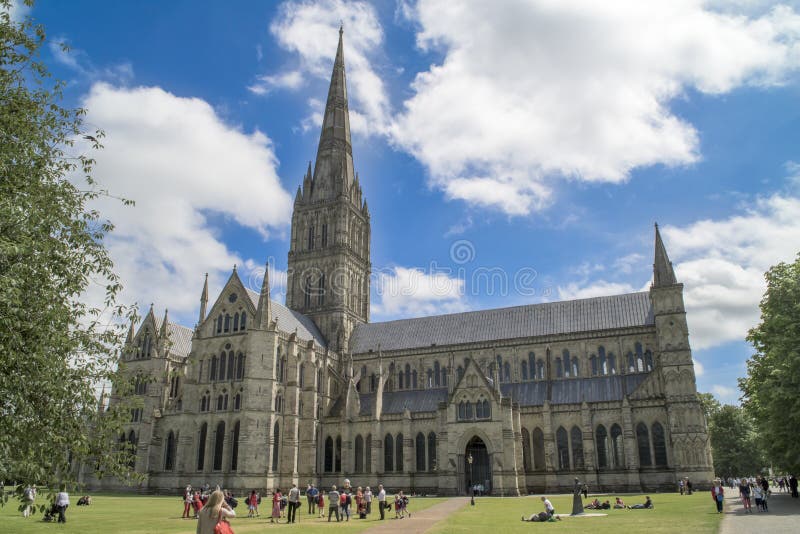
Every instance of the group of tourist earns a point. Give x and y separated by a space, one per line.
549 513
753 489
58 508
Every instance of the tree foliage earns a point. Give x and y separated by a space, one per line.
772 385
55 349
734 442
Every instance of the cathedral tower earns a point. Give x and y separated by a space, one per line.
329 263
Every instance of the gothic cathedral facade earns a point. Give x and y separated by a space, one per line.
519 400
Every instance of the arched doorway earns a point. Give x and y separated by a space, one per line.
479 471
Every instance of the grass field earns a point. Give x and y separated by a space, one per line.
673 513
133 514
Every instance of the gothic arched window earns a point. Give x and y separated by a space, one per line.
359 454
235 446
601 440
169 460
648 360
219 441
243 322
337 455
593 364
276 446
399 452
577 447
567 366
431 451
559 368
388 453
526 449
420 451
643 443
436 376
201 446
240 359
328 454
538 448
616 455
235 322
524 370
659 445
562 446
368 454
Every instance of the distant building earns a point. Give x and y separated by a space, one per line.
519 399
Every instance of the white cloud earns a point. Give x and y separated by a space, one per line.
285 80
722 265
310 29
412 292
78 61
727 395
540 91
181 164
628 263
600 288
18 10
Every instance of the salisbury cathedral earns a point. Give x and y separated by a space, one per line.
523 399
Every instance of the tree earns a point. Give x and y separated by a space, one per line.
773 373
54 347
734 443
710 404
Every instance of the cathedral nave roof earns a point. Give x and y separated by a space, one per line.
550 318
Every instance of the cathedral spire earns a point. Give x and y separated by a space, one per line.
203 301
264 309
663 274
333 171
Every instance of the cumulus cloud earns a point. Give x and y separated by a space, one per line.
722 264
181 164
541 91
310 29
285 80
599 288
727 395
412 292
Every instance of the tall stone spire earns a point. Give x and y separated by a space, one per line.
333 171
164 324
264 309
203 301
663 274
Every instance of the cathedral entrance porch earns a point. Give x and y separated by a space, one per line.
477 467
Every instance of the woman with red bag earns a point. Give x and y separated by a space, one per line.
212 519
276 506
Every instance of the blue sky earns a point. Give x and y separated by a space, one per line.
542 140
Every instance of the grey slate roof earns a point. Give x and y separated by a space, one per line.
289 320
594 389
180 336
572 391
584 315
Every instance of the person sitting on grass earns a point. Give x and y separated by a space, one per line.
647 504
594 505
549 513
606 505
619 504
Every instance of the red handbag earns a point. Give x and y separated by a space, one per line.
222 527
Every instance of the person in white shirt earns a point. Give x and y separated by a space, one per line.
62 502
368 499
381 500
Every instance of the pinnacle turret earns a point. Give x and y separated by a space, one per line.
264 309
203 301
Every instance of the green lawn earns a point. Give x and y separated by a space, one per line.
673 513
133 514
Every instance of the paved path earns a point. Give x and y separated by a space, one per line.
419 522
783 515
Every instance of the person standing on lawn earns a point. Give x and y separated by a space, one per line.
294 503
718 494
